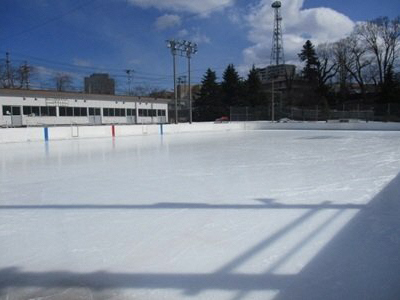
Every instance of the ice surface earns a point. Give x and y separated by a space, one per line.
238 215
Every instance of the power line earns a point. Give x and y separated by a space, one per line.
88 68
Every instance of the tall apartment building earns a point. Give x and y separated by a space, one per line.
99 83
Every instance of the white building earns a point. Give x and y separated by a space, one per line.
276 73
41 108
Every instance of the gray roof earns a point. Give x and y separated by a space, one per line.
79 96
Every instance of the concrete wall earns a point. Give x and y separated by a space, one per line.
11 135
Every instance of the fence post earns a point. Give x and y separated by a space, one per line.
230 113
247 113
343 111
316 114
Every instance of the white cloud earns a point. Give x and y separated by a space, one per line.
200 38
317 24
183 33
49 73
81 62
194 35
204 7
134 61
167 21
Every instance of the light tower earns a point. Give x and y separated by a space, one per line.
277 56
182 48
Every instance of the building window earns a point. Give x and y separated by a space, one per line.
62 111
161 112
6 110
143 112
27 110
52 111
109 112
84 111
120 112
35 110
131 112
77 111
65 111
44 111
16 110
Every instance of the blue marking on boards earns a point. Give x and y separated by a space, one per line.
46 134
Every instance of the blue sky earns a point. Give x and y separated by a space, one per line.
80 37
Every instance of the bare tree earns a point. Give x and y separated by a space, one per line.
62 81
327 66
382 38
341 53
2 76
357 60
148 90
8 76
23 75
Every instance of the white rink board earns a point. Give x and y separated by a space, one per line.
223 215
15 135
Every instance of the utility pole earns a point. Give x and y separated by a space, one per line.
8 72
129 74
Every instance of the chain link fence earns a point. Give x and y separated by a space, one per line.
381 112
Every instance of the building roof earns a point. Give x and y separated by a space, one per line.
78 96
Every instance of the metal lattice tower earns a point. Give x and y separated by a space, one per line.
277 55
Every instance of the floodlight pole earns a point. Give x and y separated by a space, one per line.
191 48
175 90
190 90
185 48
172 44
273 103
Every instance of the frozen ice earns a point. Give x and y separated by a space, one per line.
233 215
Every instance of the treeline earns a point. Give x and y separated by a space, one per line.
362 68
366 60
215 98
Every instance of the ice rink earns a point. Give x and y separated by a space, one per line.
233 215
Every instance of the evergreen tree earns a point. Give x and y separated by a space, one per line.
208 106
254 95
231 88
309 56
